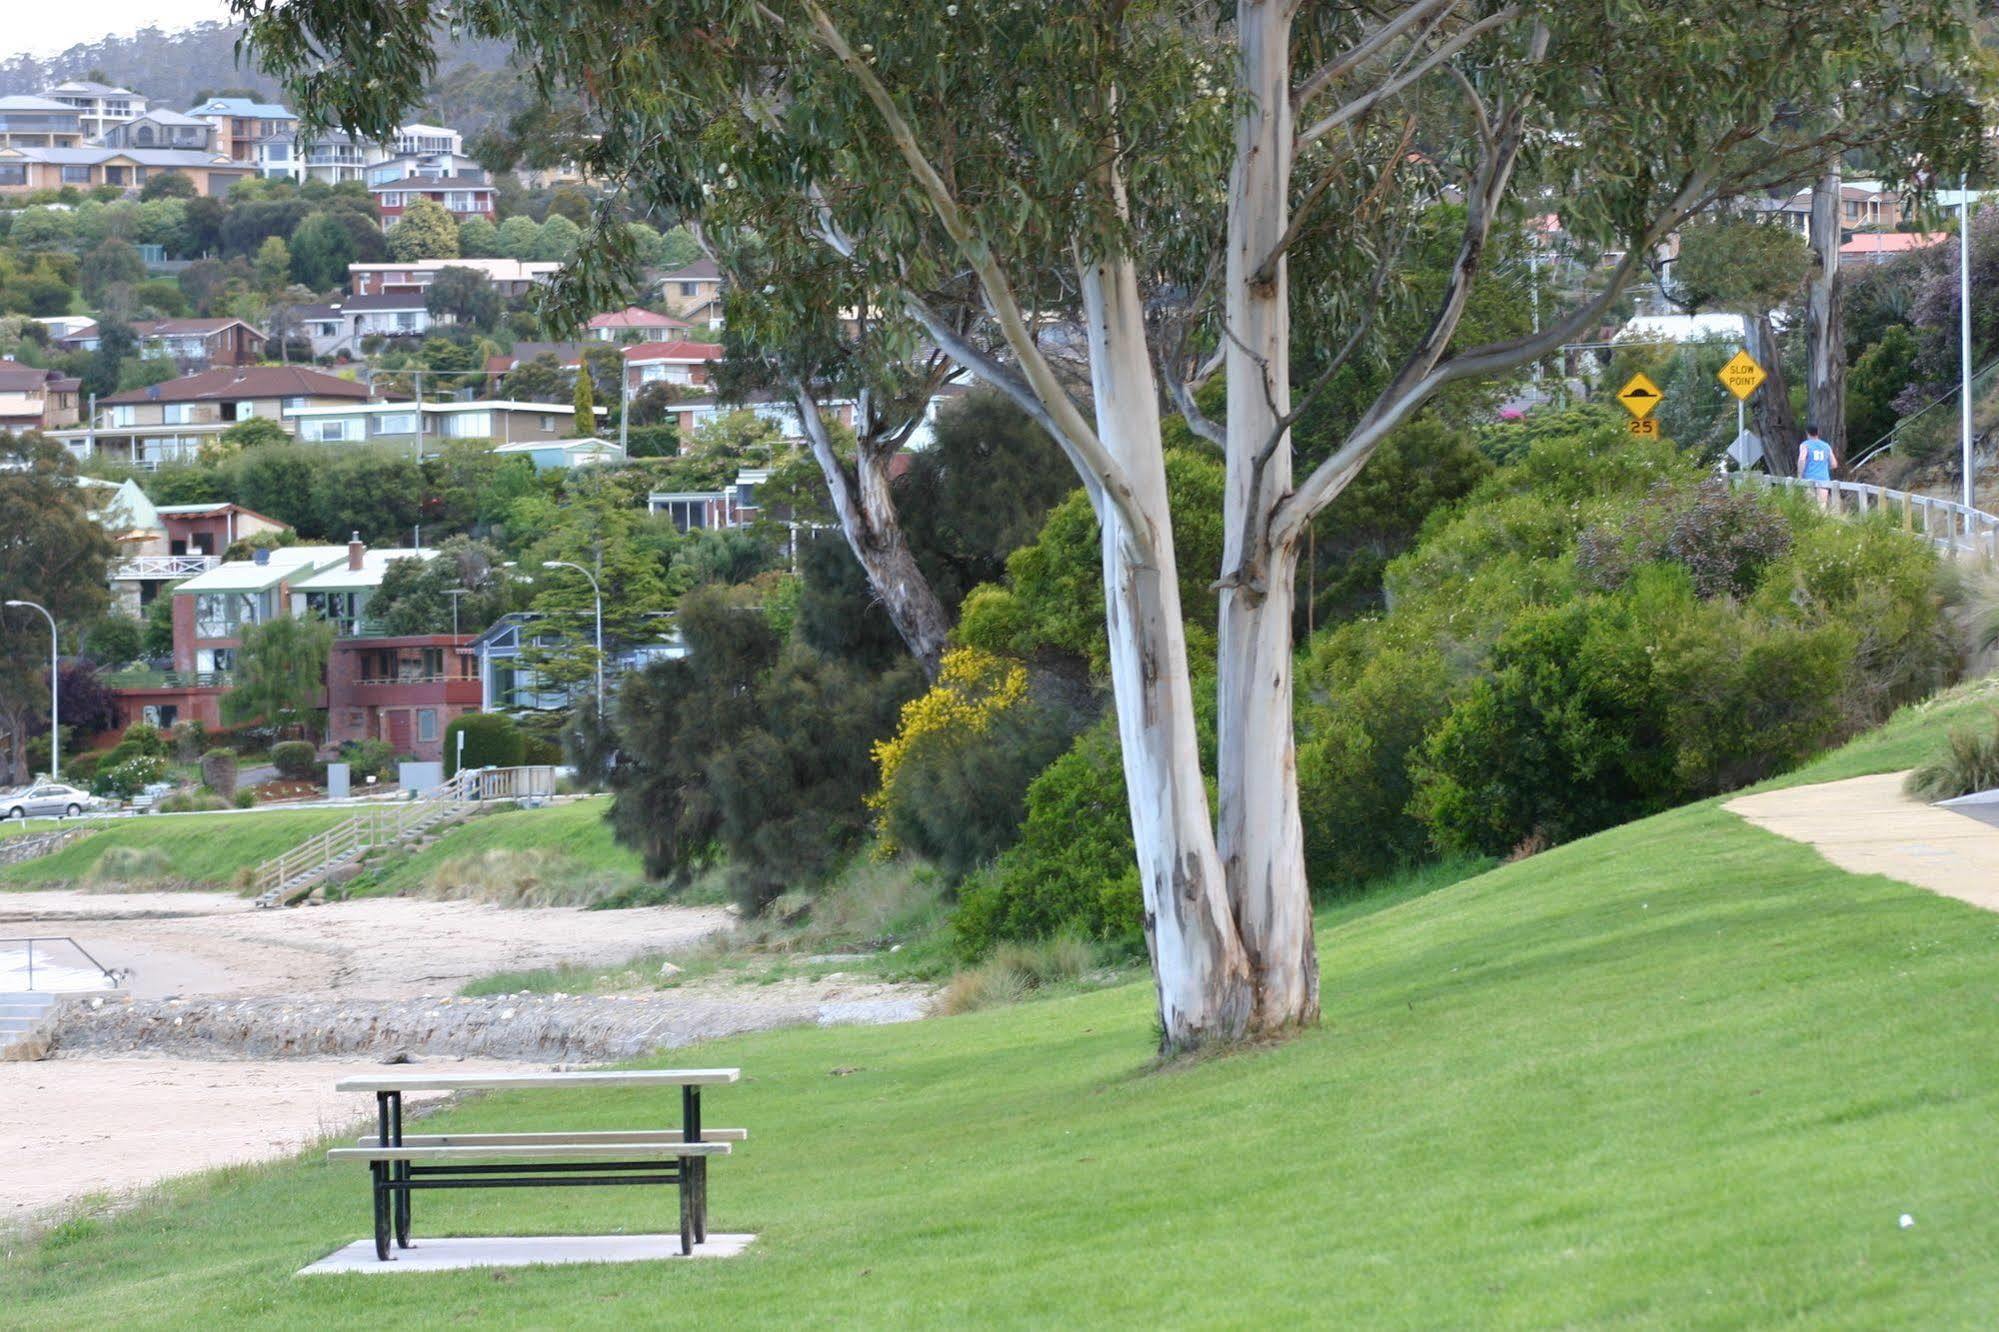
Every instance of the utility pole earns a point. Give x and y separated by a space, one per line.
1964 332
454 593
624 405
417 389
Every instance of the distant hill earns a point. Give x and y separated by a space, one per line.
475 88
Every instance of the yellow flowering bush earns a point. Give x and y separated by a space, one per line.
974 690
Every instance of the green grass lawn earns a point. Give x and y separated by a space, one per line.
201 849
575 831
1683 1073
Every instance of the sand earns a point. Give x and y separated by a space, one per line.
217 945
127 1122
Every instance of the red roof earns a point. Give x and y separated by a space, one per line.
674 351
633 316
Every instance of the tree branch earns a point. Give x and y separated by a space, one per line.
1365 49
1092 459
1368 101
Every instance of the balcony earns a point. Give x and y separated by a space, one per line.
165 566
147 678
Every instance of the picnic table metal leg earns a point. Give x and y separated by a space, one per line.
378 1176
402 1171
694 1169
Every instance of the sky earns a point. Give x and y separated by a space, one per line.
43 29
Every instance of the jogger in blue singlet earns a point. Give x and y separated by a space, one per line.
1815 463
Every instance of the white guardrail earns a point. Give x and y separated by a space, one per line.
1958 529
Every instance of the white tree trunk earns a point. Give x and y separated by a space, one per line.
1203 976
1261 839
1825 332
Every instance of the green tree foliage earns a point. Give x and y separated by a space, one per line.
276 480
556 241
293 760
478 239
53 554
321 249
1876 380
1053 598
256 432
749 751
168 185
160 298
1737 264
582 398
979 492
465 295
413 596
274 264
374 491
424 231
114 344
281 668
113 264
115 640
517 236
541 379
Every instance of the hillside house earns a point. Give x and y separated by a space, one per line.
411 424
510 277
694 292
100 107
35 399
170 421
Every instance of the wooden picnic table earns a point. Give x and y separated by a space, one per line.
399 1165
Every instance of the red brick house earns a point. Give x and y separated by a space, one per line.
199 343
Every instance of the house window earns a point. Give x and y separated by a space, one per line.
295 403
405 321
177 413
468 425
690 289
13 174
125 414
396 423
324 432
392 199
76 175
426 724
547 422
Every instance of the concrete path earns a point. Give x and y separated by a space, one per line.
456 1255
1866 825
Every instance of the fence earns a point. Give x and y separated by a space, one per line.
1957 528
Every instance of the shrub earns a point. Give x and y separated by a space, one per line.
1968 763
1074 869
294 760
128 777
541 749
143 740
129 866
1014 971
245 799
368 758
218 772
115 640
190 740
82 767
974 689
492 740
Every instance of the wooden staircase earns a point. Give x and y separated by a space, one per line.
289 879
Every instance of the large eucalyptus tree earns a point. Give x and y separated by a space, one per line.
1170 189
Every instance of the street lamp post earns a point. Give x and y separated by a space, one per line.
55 719
1964 334
454 593
598 592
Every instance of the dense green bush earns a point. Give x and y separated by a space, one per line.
294 760
80 768
143 740
1600 631
218 772
369 758
1074 869
492 740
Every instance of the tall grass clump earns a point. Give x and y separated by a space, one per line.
1017 970
1969 762
523 879
130 867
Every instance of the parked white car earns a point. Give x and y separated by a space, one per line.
46 798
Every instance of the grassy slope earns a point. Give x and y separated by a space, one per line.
205 849
1682 1073
575 830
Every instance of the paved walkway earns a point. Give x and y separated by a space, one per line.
1866 825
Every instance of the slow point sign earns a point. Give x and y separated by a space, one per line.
1741 375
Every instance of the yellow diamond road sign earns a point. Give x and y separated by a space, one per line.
1741 375
1639 396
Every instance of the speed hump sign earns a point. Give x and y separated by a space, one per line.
1639 396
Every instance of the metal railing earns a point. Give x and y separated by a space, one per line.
287 878
1957 529
152 679
165 566
33 846
28 942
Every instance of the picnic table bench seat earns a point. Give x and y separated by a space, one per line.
399 1164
